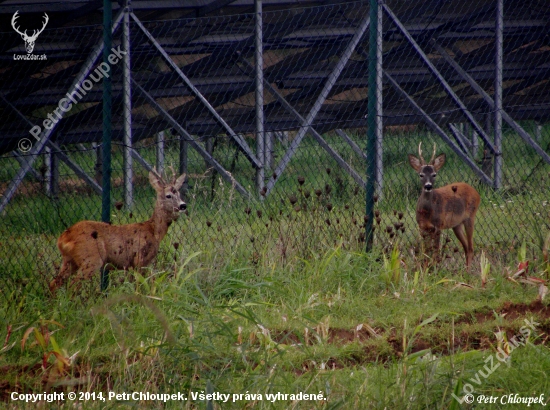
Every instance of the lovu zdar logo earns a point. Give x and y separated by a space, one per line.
29 40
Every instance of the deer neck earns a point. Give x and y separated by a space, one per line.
426 199
161 222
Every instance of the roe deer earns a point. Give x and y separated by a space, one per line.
89 245
452 206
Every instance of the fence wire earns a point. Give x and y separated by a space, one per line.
194 108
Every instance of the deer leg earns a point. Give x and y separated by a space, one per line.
68 268
430 239
436 235
469 227
86 271
460 235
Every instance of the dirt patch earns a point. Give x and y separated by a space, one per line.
509 311
384 346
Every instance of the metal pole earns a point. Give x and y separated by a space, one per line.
498 94
127 90
379 110
371 124
259 63
268 162
160 152
106 195
538 131
184 146
52 172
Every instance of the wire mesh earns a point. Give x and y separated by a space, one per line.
193 110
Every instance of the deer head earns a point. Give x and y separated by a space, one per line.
168 202
427 171
29 40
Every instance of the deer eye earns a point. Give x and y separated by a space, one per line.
421 175
168 196
434 175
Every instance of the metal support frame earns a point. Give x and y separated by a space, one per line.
489 100
47 133
54 150
23 159
341 133
322 142
499 22
259 63
184 134
448 89
460 138
241 143
307 122
141 160
436 128
474 142
127 113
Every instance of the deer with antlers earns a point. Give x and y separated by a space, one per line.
452 206
87 246
29 40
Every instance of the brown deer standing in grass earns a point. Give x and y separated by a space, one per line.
452 206
87 246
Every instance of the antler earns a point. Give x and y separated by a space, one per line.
35 33
433 155
154 171
174 176
14 22
420 153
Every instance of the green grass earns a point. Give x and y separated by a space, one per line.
231 327
278 295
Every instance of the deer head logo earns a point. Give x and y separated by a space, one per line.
29 40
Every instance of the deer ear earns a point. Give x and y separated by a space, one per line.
155 181
415 162
438 162
179 182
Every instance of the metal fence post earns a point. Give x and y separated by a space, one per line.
378 105
498 94
371 124
127 90
106 194
259 62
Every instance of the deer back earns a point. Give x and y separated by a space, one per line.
125 246
447 207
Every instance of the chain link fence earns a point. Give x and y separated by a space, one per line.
296 188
